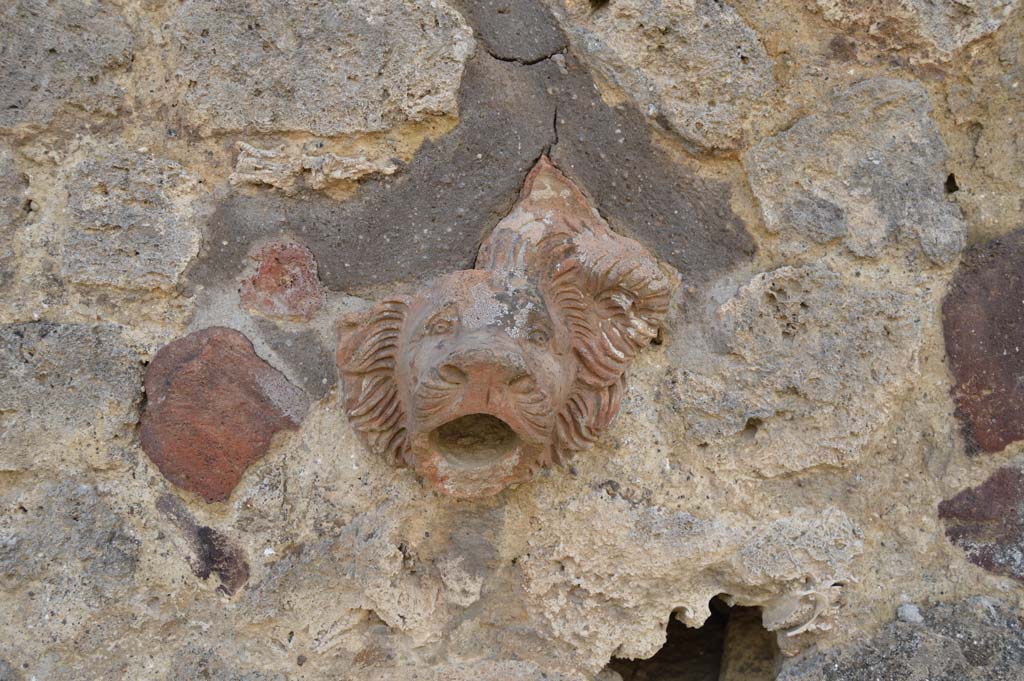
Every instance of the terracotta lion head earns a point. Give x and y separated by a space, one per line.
489 374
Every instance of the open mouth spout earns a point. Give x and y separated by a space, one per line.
475 440
475 455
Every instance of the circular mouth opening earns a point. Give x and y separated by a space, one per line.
474 440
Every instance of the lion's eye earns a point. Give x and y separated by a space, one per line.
538 336
440 326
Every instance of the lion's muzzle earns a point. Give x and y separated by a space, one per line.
480 419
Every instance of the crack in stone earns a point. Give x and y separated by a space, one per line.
554 132
525 62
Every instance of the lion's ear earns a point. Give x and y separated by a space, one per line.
614 297
611 290
628 295
368 344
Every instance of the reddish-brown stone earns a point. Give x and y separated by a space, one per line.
285 285
987 522
212 408
983 323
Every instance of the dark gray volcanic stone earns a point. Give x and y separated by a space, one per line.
70 531
426 219
514 30
430 217
304 356
973 640
683 218
13 184
62 381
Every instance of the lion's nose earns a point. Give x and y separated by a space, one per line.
452 374
487 367
521 383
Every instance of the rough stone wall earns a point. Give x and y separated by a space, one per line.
829 429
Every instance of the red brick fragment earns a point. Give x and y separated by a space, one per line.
987 522
285 285
983 324
212 408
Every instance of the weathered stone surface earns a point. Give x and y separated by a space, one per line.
212 551
202 662
939 28
868 169
989 105
424 576
482 670
9 673
303 354
427 219
13 184
987 522
62 386
313 168
367 571
130 221
815 352
524 31
573 594
695 67
70 521
68 556
326 69
212 408
983 325
782 445
285 285
59 55
974 640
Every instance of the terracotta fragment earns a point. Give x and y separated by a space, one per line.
489 374
285 285
987 522
983 324
213 407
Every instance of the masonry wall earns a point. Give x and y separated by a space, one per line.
825 437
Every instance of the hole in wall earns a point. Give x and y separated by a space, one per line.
950 184
732 645
751 427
